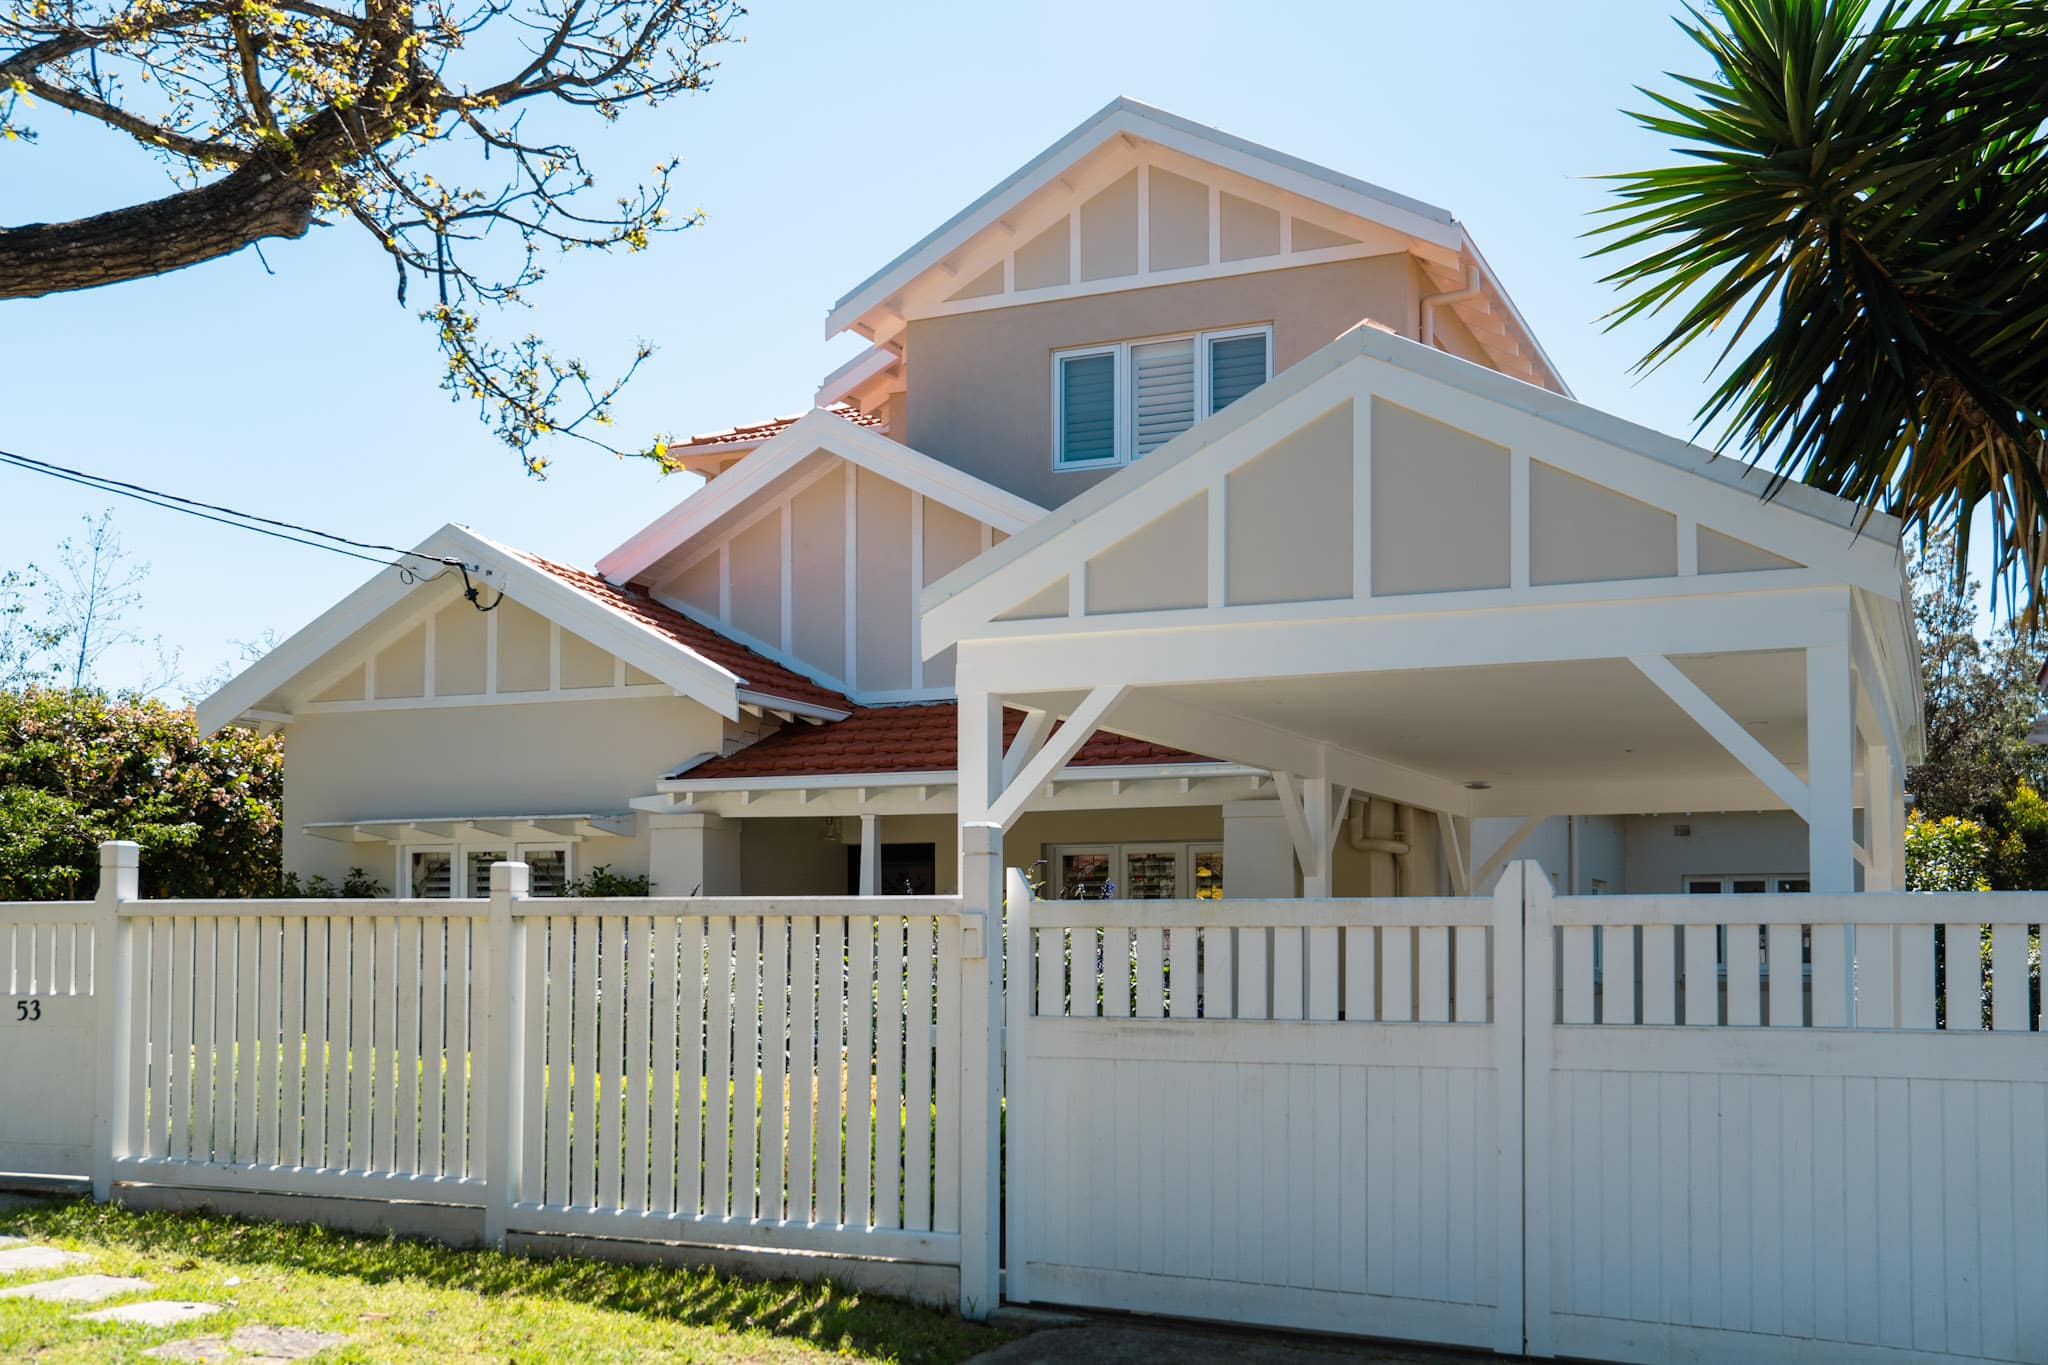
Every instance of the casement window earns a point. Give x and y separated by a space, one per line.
1115 403
1135 872
432 873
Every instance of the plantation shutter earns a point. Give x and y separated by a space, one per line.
1162 392
1088 408
1237 365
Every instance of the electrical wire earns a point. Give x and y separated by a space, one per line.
228 516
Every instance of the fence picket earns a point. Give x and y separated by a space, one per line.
1963 957
561 1070
608 1118
1433 974
291 1122
2011 993
1219 992
803 1064
1618 974
664 1045
832 1059
746 1070
1361 972
889 997
1744 1001
860 1045
1183 989
1287 969
1577 951
1702 976
532 935
1787 1005
583 1134
946 1083
1916 976
1469 993
693 1099
1052 971
637 985
1151 975
718 1121
410 978
383 1013
1397 973
774 1068
226 974
1830 974
917 1082
1322 965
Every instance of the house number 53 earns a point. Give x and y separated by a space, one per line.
28 1011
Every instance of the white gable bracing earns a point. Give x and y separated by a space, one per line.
1136 196
1399 572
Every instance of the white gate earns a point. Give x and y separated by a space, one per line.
1322 1114
48 1038
1288 1112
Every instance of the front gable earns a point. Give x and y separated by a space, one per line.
1136 197
814 550
1392 477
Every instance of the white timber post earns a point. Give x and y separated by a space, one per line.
870 855
1539 987
504 1071
1018 997
1510 1134
113 969
981 1067
1830 771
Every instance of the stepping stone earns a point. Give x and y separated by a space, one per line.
261 1344
153 1313
13 1241
78 1288
14 1260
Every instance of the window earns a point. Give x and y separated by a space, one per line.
1135 872
1113 404
432 873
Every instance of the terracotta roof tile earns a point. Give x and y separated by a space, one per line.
758 432
916 738
757 672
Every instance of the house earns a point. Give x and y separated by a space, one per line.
1250 471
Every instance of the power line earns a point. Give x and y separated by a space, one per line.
228 516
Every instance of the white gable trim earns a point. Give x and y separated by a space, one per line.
1129 118
497 568
816 430
1800 522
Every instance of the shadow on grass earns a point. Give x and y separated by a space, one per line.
823 1315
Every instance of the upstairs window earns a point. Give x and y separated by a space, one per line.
1114 403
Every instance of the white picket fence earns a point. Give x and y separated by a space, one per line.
1588 1126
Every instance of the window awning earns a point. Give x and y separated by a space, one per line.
529 829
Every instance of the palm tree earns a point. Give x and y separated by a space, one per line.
1864 197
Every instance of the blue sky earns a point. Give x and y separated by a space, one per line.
832 139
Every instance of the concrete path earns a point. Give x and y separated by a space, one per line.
1142 1341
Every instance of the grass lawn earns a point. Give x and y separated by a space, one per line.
410 1300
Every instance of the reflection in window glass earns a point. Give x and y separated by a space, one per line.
1083 875
480 869
431 873
548 869
1209 874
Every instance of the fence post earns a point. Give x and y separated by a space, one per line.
112 967
1539 993
1511 1131
1018 997
503 1074
981 1068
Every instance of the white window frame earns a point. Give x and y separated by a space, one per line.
458 860
1185 851
1124 436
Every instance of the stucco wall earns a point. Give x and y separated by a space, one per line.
1656 859
980 393
539 758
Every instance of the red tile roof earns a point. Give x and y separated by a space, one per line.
756 672
920 738
758 432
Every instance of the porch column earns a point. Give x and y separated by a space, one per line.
1884 820
693 854
870 855
1258 855
1830 769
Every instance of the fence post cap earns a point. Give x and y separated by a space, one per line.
120 853
510 878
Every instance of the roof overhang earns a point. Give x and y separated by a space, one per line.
1077 787
1129 119
267 686
765 473
575 828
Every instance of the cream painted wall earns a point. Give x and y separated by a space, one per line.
980 392
538 758
1289 526
888 531
1440 506
1163 565
1656 860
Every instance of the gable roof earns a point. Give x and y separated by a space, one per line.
918 738
694 660
1434 231
947 612
760 678
815 431
747 435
